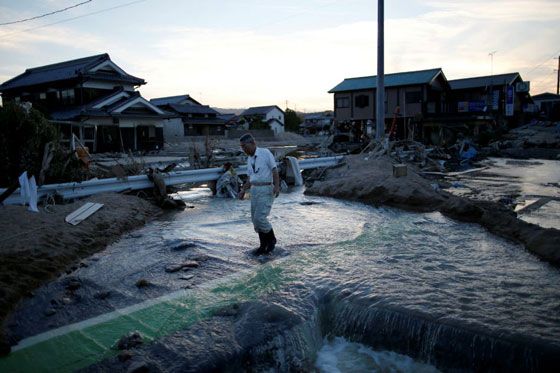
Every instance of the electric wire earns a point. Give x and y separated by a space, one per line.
44 15
73 18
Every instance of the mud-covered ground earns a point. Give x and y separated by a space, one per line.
37 247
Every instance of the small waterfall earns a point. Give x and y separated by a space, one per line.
293 350
448 347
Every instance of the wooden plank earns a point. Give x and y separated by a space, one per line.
457 173
83 213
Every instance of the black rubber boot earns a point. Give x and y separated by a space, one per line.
270 241
262 248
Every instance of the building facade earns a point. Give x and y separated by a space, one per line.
196 119
95 100
407 95
273 116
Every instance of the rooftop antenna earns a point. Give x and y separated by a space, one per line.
491 54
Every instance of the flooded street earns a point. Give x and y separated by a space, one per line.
517 183
420 285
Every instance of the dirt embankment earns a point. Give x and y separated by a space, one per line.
371 181
38 247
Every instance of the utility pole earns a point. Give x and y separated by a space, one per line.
380 113
491 54
558 77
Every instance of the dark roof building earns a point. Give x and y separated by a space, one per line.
548 105
260 110
484 81
197 119
98 67
93 98
408 95
409 78
272 115
178 100
501 98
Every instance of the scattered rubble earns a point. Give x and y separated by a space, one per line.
130 340
142 283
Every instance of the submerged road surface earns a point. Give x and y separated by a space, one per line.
445 293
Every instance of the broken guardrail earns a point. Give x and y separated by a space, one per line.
96 186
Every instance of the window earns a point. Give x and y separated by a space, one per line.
361 101
42 96
68 96
342 102
413 97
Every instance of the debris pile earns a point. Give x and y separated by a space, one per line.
534 140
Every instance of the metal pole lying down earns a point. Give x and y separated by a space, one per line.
77 190
380 107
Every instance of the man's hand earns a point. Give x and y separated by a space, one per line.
276 191
241 194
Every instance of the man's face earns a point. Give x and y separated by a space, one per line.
248 147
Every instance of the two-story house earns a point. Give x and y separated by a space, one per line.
503 96
414 93
93 98
271 115
195 119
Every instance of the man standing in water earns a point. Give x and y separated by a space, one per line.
265 186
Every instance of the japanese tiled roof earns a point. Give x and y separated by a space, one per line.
260 110
67 70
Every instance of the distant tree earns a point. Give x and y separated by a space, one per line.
291 121
256 123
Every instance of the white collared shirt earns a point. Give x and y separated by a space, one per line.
260 165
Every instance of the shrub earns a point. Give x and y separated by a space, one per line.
23 136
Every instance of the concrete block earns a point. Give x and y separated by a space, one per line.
399 170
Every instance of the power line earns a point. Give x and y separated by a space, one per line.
73 18
554 56
44 15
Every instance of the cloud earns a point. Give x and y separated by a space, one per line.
499 10
241 67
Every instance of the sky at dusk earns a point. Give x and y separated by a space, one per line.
237 54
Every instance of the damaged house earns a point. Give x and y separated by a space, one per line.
191 118
416 94
425 106
498 99
94 99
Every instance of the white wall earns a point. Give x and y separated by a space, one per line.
276 126
275 114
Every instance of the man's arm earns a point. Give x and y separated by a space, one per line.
243 190
276 181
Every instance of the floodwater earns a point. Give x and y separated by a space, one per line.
518 183
374 289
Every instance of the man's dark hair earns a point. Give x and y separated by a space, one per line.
247 139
